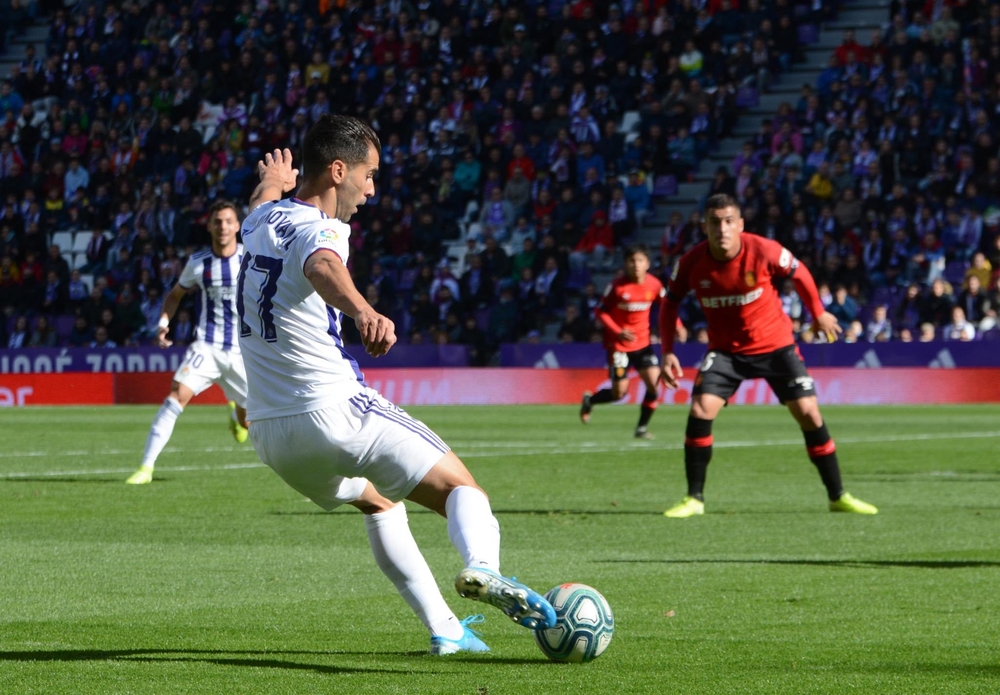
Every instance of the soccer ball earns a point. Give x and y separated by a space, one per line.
584 624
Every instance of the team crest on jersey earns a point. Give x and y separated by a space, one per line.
625 296
751 278
705 284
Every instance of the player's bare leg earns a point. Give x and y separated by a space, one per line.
160 431
705 408
450 490
823 453
619 387
397 555
651 399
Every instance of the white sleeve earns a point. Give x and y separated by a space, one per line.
191 275
332 235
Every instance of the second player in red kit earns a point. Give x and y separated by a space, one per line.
749 337
624 311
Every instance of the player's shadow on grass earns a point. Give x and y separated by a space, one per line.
160 656
411 510
50 479
861 564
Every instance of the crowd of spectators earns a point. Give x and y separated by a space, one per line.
884 177
143 113
512 164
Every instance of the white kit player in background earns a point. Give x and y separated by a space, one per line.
313 420
214 356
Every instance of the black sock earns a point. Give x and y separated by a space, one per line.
823 454
697 454
602 396
649 403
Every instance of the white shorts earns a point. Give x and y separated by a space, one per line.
205 365
329 455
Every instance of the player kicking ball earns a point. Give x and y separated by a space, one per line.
214 356
313 420
749 337
624 312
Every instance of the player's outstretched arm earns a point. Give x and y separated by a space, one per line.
332 281
170 305
276 177
824 321
671 370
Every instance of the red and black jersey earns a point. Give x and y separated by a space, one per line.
627 304
738 297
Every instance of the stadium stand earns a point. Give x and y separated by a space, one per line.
502 124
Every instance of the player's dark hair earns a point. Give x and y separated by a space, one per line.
222 204
637 248
720 201
336 137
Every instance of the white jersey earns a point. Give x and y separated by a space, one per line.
291 341
216 278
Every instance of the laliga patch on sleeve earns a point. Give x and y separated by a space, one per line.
331 236
785 259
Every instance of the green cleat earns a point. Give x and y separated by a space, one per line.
689 506
143 476
848 503
240 433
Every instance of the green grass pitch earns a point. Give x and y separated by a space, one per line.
218 578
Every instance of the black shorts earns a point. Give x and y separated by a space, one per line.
722 373
619 362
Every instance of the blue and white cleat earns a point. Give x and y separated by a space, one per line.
524 606
469 642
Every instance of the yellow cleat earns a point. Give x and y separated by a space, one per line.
848 503
689 506
142 476
240 433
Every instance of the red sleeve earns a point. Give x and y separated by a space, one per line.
602 311
783 264
677 289
806 287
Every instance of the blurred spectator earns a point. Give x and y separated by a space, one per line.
574 328
959 328
843 307
879 328
44 334
182 330
19 337
80 335
102 338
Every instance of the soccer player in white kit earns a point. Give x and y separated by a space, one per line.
214 356
313 420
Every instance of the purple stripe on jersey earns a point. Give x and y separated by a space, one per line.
207 303
227 306
334 332
395 413
406 424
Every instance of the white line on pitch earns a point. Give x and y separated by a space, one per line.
582 448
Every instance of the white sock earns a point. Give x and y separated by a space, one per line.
399 558
473 529
162 428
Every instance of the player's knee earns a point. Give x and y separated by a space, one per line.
806 412
373 506
619 389
702 410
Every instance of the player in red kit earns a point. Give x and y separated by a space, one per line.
624 311
749 337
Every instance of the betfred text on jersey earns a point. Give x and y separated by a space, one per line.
732 299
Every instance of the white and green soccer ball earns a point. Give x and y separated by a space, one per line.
584 624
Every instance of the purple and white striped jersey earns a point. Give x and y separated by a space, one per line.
218 324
